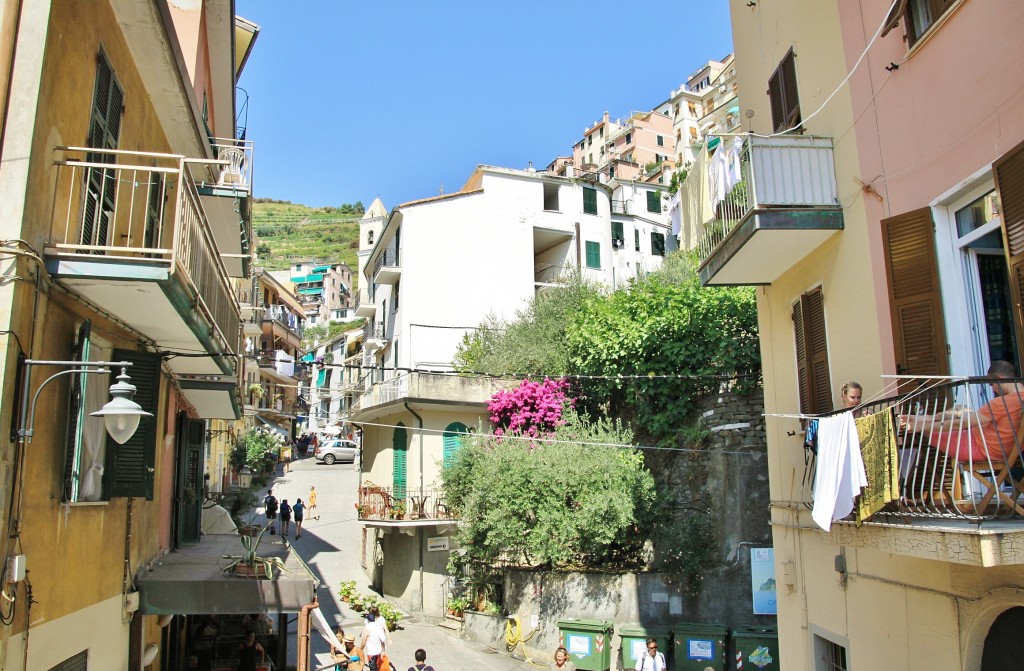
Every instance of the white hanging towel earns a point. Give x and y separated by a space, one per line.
840 473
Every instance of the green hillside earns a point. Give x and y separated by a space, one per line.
288 232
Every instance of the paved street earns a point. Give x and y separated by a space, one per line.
330 546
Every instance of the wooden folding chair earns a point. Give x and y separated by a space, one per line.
993 475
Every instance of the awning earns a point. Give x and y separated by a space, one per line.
190 581
276 427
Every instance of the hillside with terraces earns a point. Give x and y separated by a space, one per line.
289 232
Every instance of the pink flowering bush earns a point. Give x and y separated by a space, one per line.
531 409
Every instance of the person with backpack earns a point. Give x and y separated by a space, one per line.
286 516
270 508
297 510
421 662
652 660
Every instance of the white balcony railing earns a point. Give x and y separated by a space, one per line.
142 208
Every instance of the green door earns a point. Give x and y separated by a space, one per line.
400 450
453 440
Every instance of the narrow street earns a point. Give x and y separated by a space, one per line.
330 547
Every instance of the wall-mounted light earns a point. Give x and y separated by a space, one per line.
121 415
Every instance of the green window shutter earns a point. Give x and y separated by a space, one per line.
658 244
453 440
321 377
104 129
76 417
636 239
189 485
593 254
589 200
617 231
130 467
654 201
400 450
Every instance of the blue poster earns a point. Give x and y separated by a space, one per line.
762 580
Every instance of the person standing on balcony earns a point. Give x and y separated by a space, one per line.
852 394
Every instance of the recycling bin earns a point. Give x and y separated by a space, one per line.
634 642
756 648
698 646
588 643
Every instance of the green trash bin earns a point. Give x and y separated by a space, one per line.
634 642
758 647
589 643
698 646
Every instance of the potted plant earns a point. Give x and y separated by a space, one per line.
390 614
356 603
398 510
347 589
457 606
249 563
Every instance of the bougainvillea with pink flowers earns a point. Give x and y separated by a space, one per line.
531 409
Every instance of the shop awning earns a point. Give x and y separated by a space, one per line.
189 581
276 427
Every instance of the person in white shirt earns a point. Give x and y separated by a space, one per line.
375 635
652 660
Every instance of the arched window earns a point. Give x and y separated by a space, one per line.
400 449
453 440
369 238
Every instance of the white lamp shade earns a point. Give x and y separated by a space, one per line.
149 653
121 414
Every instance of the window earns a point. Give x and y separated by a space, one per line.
104 129
617 235
611 172
636 239
782 94
394 298
657 244
692 107
369 238
551 197
653 201
918 15
589 200
812 354
629 138
590 140
828 656
590 158
593 254
79 662
661 141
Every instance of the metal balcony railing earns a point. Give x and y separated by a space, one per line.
389 258
388 503
782 173
284 317
235 167
143 207
621 206
956 452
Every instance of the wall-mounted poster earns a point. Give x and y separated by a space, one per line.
762 580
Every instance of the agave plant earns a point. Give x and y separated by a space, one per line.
259 566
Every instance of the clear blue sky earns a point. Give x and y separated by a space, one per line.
351 99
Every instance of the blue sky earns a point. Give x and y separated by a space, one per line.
351 99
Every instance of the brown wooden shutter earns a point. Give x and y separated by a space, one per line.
915 301
783 96
812 354
1009 176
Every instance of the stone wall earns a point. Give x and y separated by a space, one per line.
720 472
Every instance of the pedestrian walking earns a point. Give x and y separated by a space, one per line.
314 512
374 638
652 660
248 651
270 508
421 662
297 511
285 515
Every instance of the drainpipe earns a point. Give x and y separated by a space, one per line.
302 635
420 534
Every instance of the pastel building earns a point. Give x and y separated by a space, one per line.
882 229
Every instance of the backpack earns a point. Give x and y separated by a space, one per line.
270 503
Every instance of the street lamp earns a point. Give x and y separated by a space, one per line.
245 477
120 415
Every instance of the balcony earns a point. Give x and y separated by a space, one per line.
956 493
387 270
365 307
131 236
778 203
376 394
384 507
224 189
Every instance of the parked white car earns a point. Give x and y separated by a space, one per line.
336 449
